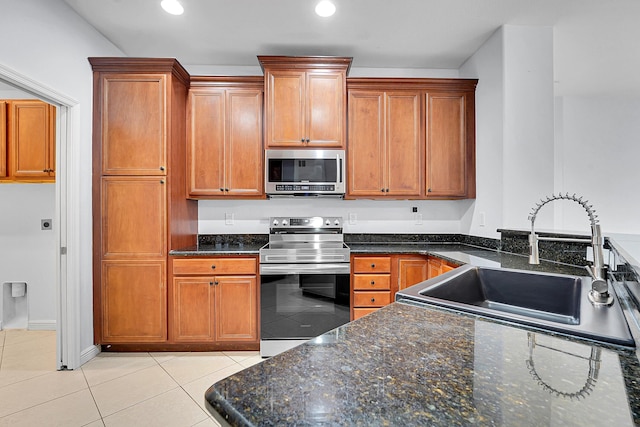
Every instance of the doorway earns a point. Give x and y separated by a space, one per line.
66 217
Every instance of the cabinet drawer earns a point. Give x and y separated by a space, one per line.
205 266
371 282
361 312
371 299
372 264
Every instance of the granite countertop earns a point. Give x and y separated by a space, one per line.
411 365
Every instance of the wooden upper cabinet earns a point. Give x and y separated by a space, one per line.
385 144
305 100
3 139
224 141
31 133
134 126
447 154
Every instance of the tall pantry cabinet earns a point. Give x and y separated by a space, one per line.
140 207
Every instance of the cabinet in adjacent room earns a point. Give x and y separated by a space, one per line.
305 101
28 140
140 204
225 154
385 146
3 139
214 300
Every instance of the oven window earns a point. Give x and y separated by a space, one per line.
303 306
303 170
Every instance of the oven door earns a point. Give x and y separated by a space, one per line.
296 307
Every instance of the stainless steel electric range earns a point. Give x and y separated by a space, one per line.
304 285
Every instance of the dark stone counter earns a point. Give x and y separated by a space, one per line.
411 365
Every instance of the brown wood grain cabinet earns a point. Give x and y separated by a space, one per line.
3 139
411 138
385 145
224 138
214 300
28 141
305 101
375 278
140 207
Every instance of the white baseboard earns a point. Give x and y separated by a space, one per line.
42 325
0 325
89 353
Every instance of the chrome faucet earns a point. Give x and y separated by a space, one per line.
599 294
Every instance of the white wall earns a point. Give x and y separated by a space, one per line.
27 254
49 43
598 149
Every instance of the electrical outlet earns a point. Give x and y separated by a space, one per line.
481 219
353 218
228 219
418 218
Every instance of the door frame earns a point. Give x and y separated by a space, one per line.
67 215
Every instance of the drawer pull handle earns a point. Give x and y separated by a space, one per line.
373 300
373 282
373 266
213 267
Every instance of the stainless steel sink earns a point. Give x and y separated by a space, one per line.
552 302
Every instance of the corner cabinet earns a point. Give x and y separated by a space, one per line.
225 154
215 301
305 101
411 138
139 195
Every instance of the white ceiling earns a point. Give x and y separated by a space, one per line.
596 42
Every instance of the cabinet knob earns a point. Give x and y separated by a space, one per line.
222 189
428 190
373 300
162 181
302 140
215 283
382 189
213 267
226 189
210 283
373 266
307 140
386 190
162 168
373 283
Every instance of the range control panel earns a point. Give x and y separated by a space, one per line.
314 222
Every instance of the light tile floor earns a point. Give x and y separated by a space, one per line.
113 389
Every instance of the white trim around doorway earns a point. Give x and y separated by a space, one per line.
67 218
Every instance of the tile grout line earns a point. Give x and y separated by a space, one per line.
92 396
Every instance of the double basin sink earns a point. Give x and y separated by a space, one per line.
546 301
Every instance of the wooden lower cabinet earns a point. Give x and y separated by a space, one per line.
376 278
134 301
212 303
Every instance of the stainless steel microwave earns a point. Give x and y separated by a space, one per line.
305 172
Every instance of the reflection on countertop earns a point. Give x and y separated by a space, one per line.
411 365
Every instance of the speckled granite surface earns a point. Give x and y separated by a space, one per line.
407 365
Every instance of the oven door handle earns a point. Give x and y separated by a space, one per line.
323 268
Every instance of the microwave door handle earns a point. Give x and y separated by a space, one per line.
340 168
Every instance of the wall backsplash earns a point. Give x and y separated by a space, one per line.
371 216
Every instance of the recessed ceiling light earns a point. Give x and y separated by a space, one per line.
172 6
325 8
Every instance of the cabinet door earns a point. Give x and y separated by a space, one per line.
411 270
133 301
192 309
403 145
446 146
285 109
31 139
365 151
244 154
133 217
205 142
236 308
434 267
134 125
325 109
3 139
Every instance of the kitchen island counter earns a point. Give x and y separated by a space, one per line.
411 365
